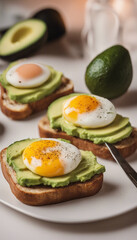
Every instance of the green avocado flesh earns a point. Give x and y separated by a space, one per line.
32 94
23 37
119 129
87 168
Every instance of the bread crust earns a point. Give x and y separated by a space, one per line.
18 111
43 195
126 147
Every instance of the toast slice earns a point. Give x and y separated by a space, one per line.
18 111
126 147
42 195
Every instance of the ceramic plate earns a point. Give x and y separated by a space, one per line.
118 195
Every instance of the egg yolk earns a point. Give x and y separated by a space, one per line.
79 105
29 70
46 152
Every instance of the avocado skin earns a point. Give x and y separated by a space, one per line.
111 69
54 22
29 51
3 31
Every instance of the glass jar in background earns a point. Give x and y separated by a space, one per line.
127 12
109 22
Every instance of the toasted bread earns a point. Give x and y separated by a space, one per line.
42 195
126 147
19 111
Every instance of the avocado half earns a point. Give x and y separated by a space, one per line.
54 22
23 39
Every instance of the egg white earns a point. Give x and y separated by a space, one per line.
70 156
16 80
102 116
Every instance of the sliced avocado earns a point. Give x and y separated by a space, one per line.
64 140
115 137
87 173
13 152
18 164
28 178
87 168
54 22
57 181
23 39
119 129
118 124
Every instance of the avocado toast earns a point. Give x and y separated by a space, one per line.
18 102
82 180
119 132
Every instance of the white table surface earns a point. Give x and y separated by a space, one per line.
15 225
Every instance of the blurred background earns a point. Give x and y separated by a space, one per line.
72 10
91 25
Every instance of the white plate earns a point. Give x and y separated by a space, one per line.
118 194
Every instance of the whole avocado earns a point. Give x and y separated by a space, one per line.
54 22
110 73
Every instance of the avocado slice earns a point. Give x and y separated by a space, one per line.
22 39
54 22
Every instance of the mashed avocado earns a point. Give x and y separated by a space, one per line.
119 129
31 94
87 168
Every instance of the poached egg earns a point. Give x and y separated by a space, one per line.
28 75
89 111
51 157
